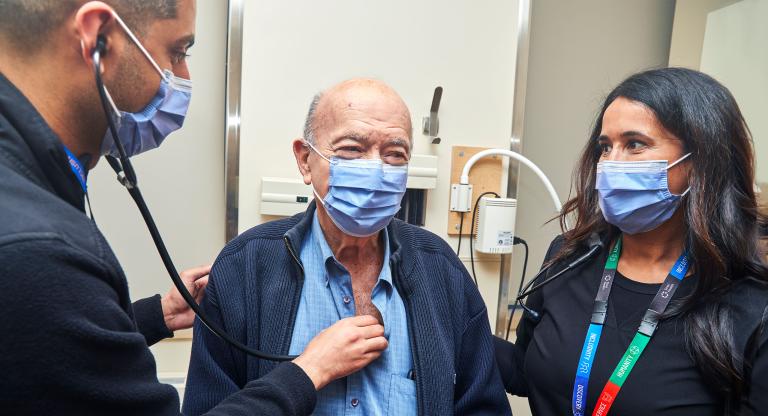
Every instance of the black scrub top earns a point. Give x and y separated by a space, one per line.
665 380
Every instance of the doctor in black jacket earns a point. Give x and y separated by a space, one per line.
71 340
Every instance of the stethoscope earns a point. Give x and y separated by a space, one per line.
595 244
127 177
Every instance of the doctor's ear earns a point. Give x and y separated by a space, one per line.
95 25
301 151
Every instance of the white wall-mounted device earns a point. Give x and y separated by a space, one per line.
495 225
281 196
422 172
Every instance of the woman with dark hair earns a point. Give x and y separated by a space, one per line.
670 317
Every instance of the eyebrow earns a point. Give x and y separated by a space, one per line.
356 137
399 141
627 134
366 141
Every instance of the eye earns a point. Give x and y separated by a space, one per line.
604 148
348 152
179 56
349 149
396 158
635 145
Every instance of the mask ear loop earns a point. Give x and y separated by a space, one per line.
678 161
139 45
317 196
674 164
308 144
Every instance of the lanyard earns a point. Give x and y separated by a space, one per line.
636 347
77 169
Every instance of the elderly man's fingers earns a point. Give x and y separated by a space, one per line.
199 289
363 320
372 331
376 344
370 356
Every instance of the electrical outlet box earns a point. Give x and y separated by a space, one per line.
495 225
461 197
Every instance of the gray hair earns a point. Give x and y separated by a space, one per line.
309 122
26 24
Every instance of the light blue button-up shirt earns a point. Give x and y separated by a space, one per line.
384 386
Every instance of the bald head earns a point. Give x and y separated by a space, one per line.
358 119
362 99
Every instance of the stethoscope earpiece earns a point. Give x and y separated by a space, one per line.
101 46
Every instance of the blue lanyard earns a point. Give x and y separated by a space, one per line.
644 333
77 169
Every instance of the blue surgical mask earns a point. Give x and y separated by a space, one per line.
165 113
634 196
363 194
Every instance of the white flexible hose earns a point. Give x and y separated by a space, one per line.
523 160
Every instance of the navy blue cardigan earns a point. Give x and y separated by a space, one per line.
254 292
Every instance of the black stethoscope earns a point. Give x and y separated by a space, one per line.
595 244
127 177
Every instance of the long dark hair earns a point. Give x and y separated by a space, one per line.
721 211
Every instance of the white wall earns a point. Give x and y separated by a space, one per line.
294 49
735 53
182 182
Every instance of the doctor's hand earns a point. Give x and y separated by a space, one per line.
176 312
341 349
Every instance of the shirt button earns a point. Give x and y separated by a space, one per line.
355 402
346 299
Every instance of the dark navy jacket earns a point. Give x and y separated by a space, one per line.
254 292
72 342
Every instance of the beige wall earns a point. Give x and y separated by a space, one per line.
182 182
688 30
292 50
735 53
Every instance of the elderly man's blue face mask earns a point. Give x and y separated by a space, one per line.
363 194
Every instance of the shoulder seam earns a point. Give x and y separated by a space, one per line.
50 236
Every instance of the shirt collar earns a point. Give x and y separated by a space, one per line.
29 143
321 244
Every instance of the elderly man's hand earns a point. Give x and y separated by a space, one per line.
176 312
341 349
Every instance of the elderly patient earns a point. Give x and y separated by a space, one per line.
279 284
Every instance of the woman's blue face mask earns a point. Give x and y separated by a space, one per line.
634 195
363 194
